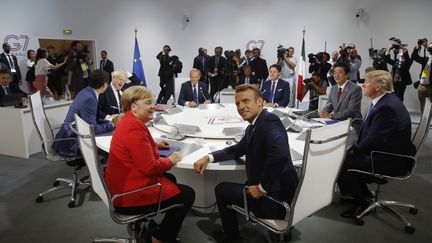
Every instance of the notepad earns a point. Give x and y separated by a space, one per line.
167 152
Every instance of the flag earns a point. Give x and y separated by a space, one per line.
302 71
137 67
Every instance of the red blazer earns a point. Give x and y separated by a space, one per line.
134 162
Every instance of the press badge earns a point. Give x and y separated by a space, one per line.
84 67
13 70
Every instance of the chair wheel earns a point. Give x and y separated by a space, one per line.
359 222
410 229
413 211
71 204
56 183
39 199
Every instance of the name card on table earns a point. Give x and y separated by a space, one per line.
174 110
232 131
187 129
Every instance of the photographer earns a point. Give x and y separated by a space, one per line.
169 67
316 87
319 64
424 89
78 66
400 70
378 57
288 63
355 64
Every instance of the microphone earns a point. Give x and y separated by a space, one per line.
173 134
202 94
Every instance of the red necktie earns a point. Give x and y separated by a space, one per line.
339 93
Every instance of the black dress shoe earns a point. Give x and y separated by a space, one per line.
354 211
220 237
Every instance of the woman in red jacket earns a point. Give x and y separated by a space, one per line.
134 162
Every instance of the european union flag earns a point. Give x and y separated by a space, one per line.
137 67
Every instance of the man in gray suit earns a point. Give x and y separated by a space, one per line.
344 99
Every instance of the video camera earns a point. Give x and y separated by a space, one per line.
176 65
229 54
316 58
397 44
281 50
376 54
422 41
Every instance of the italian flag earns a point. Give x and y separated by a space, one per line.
302 71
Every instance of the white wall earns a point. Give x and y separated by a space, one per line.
228 23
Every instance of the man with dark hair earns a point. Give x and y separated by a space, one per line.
216 70
11 62
276 91
85 105
344 98
259 66
6 87
200 63
269 168
78 66
166 75
106 64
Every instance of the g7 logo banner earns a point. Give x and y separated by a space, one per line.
18 43
255 44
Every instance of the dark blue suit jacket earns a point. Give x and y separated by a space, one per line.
85 105
282 92
268 157
387 128
252 79
186 93
108 103
13 89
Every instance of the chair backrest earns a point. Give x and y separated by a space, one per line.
87 142
324 153
41 123
423 127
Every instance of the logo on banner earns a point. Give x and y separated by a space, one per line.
18 44
255 44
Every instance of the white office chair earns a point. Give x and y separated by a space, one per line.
86 137
324 153
381 178
46 135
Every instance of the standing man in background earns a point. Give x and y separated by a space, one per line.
11 62
288 63
166 76
106 64
200 63
259 66
216 71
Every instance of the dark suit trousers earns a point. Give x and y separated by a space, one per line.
167 89
216 84
399 88
228 193
173 219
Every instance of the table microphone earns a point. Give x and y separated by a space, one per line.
176 135
202 94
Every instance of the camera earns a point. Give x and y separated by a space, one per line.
176 65
422 41
307 80
281 50
229 54
376 54
397 44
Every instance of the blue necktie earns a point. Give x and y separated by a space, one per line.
369 110
272 91
195 94
7 90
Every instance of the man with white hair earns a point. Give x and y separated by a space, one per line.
110 100
387 128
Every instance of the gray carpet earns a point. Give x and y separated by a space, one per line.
24 220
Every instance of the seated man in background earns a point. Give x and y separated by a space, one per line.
276 92
387 128
316 87
85 105
7 87
269 168
109 101
247 77
194 92
344 99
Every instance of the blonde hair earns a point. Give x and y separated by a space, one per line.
383 78
132 94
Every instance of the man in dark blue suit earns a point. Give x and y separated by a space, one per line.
269 168
194 92
247 77
386 127
85 105
276 91
110 100
7 87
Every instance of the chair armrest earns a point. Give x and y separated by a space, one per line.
284 204
114 197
